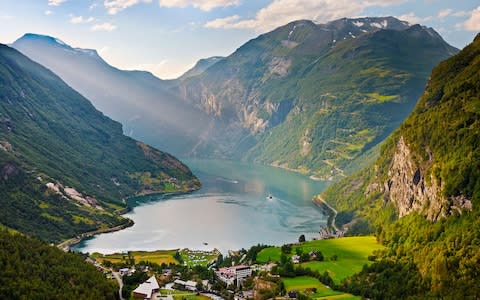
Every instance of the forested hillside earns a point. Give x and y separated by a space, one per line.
34 270
422 195
66 168
314 97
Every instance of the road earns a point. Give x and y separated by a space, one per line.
120 283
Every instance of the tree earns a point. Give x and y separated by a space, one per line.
301 239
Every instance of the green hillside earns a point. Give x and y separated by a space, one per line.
314 97
65 168
34 270
422 194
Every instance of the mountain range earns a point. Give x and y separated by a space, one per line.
65 168
309 97
140 101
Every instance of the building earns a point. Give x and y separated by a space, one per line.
147 289
232 274
188 285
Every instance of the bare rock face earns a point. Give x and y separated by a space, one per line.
408 189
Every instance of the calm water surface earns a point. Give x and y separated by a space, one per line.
231 211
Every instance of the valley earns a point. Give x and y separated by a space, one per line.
331 158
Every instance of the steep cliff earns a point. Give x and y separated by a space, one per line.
422 195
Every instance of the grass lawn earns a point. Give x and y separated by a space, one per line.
158 257
179 295
352 253
269 254
301 283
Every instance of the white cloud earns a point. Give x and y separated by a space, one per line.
80 20
228 22
5 17
280 12
473 22
461 13
115 6
55 2
48 12
414 19
444 13
103 27
93 6
205 5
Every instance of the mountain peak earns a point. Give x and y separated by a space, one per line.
34 37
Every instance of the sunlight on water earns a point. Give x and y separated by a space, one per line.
232 210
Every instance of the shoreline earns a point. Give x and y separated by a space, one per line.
330 211
65 245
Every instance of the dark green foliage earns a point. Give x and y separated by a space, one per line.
50 133
131 282
301 239
427 259
31 269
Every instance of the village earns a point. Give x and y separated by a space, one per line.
303 270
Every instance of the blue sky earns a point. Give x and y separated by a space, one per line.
167 37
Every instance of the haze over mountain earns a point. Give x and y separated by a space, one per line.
66 168
306 96
313 97
422 194
137 99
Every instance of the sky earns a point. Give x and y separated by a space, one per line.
167 37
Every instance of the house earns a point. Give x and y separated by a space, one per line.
125 271
147 289
238 273
296 259
188 285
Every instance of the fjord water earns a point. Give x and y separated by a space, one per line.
233 210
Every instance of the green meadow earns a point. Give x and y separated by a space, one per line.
314 288
351 252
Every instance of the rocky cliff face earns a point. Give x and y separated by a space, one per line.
411 187
293 89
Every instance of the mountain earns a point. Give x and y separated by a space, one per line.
313 97
422 194
65 168
34 270
200 67
137 99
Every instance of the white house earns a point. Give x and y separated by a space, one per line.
146 289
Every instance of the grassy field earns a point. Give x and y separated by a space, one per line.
180 295
158 257
352 253
197 257
302 283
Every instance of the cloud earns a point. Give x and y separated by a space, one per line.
205 5
473 22
280 12
461 13
48 12
55 2
115 6
228 22
103 27
444 13
80 20
93 6
414 19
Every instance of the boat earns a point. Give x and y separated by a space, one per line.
270 197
